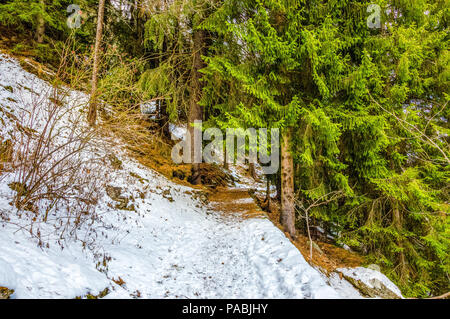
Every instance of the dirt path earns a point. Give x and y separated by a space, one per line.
236 202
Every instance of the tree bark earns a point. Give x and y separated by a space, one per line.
278 186
40 31
163 116
163 119
267 204
252 170
195 110
225 162
287 217
92 114
268 198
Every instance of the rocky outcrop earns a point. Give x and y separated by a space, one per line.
370 282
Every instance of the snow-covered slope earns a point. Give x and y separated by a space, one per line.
168 244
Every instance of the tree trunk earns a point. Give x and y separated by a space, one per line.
163 119
278 186
252 170
287 217
225 162
163 116
195 110
268 200
92 115
40 31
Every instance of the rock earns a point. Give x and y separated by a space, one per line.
345 289
115 193
9 88
102 294
374 267
371 283
5 293
167 195
141 179
115 162
20 188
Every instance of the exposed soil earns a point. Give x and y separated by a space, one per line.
235 201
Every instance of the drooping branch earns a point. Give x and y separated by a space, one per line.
414 130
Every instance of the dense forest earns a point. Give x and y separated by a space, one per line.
359 91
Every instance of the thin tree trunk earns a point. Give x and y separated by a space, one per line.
92 115
252 170
225 162
278 186
163 116
195 110
40 31
287 217
268 199
309 235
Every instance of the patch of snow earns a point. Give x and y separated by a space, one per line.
46 273
178 132
247 200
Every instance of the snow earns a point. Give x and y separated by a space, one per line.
345 289
178 132
171 246
46 273
149 108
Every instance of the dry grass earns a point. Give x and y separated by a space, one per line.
235 201
143 141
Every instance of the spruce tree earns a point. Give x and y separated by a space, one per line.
368 112
173 31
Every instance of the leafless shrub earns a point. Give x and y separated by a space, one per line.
303 210
55 172
121 112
